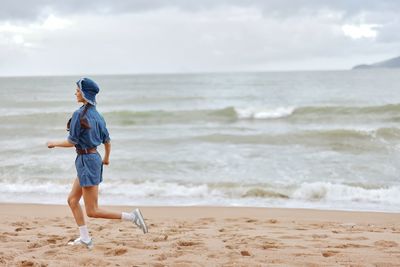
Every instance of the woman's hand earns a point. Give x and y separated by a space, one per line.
51 144
106 161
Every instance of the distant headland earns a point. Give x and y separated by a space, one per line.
387 64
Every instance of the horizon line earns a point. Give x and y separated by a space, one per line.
167 73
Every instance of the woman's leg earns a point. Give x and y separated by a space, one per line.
73 202
90 196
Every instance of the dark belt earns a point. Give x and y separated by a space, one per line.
86 151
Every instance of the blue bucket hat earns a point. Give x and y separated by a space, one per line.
89 89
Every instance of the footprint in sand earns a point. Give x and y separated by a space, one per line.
315 236
51 252
172 231
162 257
116 252
100 228
232 246
160 238
35 245
385 244
54 238
269 245
351 245
9 233
21 224
317 225
375 231
300 229
119 243
141 246
245 253
329 253
183 243
28 263
273 221
51 241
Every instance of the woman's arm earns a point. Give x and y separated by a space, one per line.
64 143
107 150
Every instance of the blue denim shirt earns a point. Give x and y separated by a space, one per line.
88 138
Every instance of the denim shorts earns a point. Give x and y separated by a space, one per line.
89 168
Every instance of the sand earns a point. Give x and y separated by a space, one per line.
36 235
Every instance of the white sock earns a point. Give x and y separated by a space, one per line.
127 216
84 233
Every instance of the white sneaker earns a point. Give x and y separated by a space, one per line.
78 242
139 220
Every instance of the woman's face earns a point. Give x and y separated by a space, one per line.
79 96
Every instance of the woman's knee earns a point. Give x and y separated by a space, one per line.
73 201
92 213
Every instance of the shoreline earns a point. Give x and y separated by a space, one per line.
12 208
273 207
36 235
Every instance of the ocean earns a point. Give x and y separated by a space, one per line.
324 140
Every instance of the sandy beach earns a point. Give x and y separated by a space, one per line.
36 235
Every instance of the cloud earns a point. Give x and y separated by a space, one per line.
69 37
360 31
30 10
346 12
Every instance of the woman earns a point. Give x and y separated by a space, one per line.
87 130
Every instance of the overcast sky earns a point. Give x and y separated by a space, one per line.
48 37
